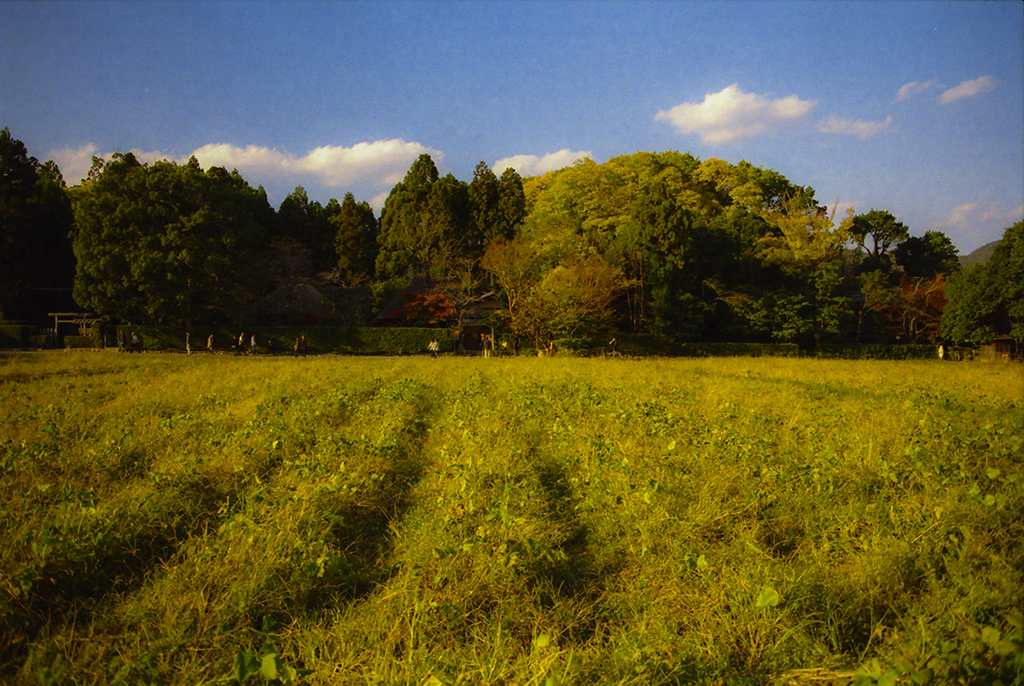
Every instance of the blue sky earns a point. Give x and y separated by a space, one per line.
912 107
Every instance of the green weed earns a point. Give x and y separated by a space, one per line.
527 521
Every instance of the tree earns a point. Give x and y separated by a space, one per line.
35 228
485 213
574 298
311 225
661 236
803 235
925 257
987 300
511 204
551 301
165 243
423 222
355 240
884 231
915 313
516 267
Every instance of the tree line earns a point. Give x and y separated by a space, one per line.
660 243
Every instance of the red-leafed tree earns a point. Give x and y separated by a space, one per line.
430 307
915 313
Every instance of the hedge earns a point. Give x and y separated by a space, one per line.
656 345
739 349
324 339
83 342
409 340
877 351
15 335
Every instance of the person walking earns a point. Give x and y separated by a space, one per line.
433 347
209 343
252 344
188 343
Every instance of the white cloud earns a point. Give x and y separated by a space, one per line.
861 129
908 90
731 115
969 216
963 216
74 163
967 89
332 165
532 165
370 164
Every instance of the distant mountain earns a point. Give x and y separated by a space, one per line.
979 256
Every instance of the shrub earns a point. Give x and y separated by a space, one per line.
876 351
82 342
740 349
319 339
15 335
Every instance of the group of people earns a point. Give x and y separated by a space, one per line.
301 346
238 344
123 344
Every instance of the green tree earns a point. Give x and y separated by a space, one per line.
485 213
309 224
355 240
517 268
445 223
876 234
987 300
423 221
803 235
661 239
511 204
551 302
167 244
35 228
927 256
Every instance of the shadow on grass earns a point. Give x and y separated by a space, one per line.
67 574
575 572
360 526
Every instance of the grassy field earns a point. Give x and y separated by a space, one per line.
197 520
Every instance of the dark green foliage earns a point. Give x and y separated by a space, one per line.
319 339
82 342
987 300
882 228
406 239
927 256
355 240
16 335
165 243
35 226
511 203
866 351
311 225
485 215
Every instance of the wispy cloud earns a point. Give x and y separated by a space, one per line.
74 163
968 89
861 129
369 164
909 90
532 165
731 115
970 216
